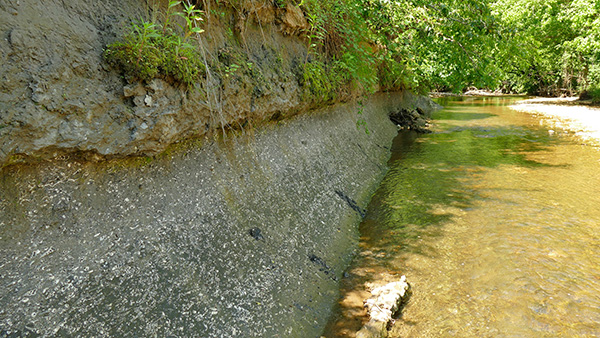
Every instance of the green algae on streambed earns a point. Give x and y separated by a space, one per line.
494 221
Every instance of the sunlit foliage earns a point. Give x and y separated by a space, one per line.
555 45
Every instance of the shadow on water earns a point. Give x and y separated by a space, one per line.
425 184
429 183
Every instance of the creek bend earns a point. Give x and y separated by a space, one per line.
494 220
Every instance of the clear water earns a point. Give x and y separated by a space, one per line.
494 220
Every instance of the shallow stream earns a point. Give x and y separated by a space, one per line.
495 221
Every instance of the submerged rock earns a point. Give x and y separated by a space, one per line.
382 305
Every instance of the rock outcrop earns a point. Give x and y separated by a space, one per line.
243 237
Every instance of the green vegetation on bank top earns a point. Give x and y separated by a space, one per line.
151 48
544 47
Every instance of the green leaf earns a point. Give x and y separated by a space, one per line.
153 35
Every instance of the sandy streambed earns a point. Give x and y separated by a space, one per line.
582 120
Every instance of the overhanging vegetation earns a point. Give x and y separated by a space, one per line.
538 47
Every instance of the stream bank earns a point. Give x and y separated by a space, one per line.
150 208
246 236
580 120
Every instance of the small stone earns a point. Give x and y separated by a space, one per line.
293 20
156 85
383 303
148 100
138 101
256 233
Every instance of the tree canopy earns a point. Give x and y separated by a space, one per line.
555 45
545 47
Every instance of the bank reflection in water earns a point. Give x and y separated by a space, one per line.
494 221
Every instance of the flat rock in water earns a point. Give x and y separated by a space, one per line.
383 303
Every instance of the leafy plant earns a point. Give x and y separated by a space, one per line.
392 75
138 55
338 59
361 122
231 69
149 50
315 82
192 17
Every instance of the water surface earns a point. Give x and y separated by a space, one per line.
494 220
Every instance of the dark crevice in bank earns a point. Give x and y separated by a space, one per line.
351 203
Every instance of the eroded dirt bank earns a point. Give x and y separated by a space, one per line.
58 96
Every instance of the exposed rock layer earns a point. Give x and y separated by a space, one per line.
245 237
